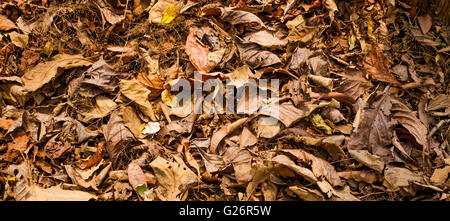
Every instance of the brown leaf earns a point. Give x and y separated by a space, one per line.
6 24
235 16
300 60
376 65
5 124
99 78
374 130
173 177
43 73
152 82
253 55
359 175
117 136
266 39
288 114
223 132
353 84
320 167
95 158
136 176
402 115
425 22
247 138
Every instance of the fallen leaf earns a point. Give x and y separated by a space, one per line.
95 158
173 177
19 40
307 194
43 73
197 52
368 159
253 55
117 136
425 22
320 167
266 39
375 64
56 193
6 24
136 92
304 172
223 132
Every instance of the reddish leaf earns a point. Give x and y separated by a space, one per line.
95 158
197 52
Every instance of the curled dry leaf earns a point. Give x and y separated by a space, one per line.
320 167
223 132
255 56
117 136
95 158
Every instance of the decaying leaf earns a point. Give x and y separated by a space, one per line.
173 176
117 136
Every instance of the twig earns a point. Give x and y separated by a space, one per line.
435 128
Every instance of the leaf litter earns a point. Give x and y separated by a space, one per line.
89 107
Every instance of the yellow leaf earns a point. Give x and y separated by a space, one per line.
12 178
318 122
436 58
48 49
169 14
168 98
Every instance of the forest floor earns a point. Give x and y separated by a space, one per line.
89 107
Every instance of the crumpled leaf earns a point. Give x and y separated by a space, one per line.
318 122
89 178
43 73
288 114
100 77
266 39
95 158
400 177
368 159
103 106
307 194
19 40
253 55
172 176
116 135
320 167
223 132
235 16
136 92
375 64
242 165
304 172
